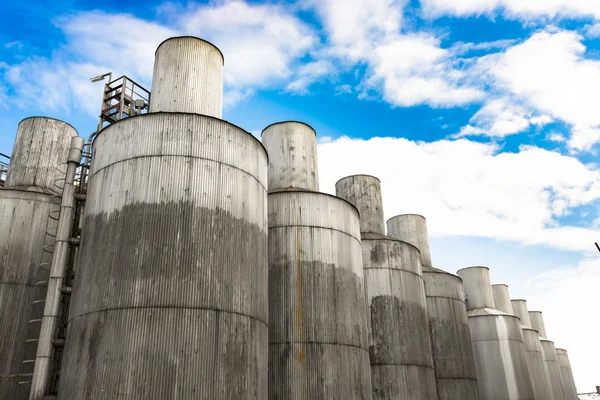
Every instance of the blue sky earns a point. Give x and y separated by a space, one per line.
482 115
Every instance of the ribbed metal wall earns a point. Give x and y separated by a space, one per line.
170 297
23 223
188 77
411 228
551 360
364 191
502 298
317 314
566 374
542 389
39 154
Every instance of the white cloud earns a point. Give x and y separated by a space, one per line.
308 74
556 137
592 31
466 188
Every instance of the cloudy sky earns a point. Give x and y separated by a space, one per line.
481 115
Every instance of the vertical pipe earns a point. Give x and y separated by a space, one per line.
41 373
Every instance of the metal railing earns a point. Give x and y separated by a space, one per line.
4 161
122 98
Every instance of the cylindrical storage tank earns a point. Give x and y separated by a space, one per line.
566 374
551 360
317 315
411 228
188 77
520 309
538 371
537 322
23 223
292 148
38 161
502 298
364 191
497 342
170 296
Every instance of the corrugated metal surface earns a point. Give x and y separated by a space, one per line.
39 154
478 287
364 191
171 292
188 77
292 149
537 322
23 223
317 313
551 360
538 371
502 298
520 310
411 228
566 374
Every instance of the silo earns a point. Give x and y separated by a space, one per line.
550 356
317 314
399 342
447 314
170 297
566 374
497 341
502 298
39 158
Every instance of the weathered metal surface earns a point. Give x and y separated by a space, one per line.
502 298
292 148
551 360
170 296
497 341
566 374
364 191
537 322
317 314
538 371
411 228
39 155
520 310
23 223
188 77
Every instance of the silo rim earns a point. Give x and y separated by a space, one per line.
518 300
402 215
561 349
534 311
300 190
285 122
527 328
499 284
191 37
546 340
385 237
184 113
54 119
473 267
434 270
354 175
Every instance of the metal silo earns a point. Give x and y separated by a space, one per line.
447 314
497 341
550 356
170 298
27 235
317 320
502 298
399 342
566 374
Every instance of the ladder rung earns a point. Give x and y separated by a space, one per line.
29 341
29 362
42 284
38 301
31 321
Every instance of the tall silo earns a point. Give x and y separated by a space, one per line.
317 314
550 356
497 341
399 339
27 229
538 371
447 314
566 374
502 298
170 297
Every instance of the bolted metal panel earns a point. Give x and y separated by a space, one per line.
170 297
520 310
502 298
188 77
478 287
566 374
411 228
39 154
551 360
317 314
364 192
399 343
538 371
23 223
537 323
292 148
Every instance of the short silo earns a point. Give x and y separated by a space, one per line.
502 298
550 356
497 341
447 314
317 314
566 374
27 231
170 296
399 339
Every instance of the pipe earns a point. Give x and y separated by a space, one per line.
43 361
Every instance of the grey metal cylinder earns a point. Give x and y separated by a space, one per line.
478 287
23 223
551 360
411 228
566 374
538 371
188 77
520 309
317 315
502 298
170 297
537 323
39 153
292 148
364 192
